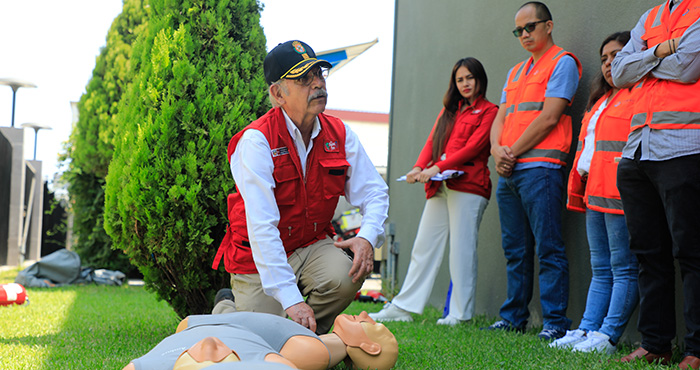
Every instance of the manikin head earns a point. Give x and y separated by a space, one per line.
369 345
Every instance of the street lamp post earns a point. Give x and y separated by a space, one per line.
15 85
36 128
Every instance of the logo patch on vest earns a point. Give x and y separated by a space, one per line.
279 151
476 111
331 147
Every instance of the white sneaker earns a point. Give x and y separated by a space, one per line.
391 312
572 338
596 342
449 320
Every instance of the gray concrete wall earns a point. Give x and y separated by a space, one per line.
9 247
5 181
34 235
430 37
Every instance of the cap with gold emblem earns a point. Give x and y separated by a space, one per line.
292 60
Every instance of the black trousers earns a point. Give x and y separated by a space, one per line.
661 200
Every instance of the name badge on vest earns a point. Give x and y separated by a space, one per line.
331 147
476 111
279 151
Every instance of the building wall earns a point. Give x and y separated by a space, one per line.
429 38
14 163
373 131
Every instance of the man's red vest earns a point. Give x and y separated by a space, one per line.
527 91
306 206
600 192
664 104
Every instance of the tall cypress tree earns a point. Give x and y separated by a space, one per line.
198 81
90 149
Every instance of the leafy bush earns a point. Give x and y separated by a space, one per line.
90 148
198 81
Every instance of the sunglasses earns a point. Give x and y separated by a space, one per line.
518 31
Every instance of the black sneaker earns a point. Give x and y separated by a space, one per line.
223 294
504 325
551 334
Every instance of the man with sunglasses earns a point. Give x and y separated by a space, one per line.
290 167
530 140
659 173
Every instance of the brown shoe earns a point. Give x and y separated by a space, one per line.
690 362
663 358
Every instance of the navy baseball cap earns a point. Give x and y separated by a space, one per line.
292 60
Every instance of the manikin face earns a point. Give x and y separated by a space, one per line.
368 344
206 352
350 330
609 51
536 40
466 83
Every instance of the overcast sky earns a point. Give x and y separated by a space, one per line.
53 44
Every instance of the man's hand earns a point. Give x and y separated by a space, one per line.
504 159
666 48
363 262
303 315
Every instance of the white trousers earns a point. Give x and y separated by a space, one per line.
457 215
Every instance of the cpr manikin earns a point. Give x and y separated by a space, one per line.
358 340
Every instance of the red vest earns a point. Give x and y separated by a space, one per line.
527 91
306 207
599 192
664 104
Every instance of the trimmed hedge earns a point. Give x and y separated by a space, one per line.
90 148
198 80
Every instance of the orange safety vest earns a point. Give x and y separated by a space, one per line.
527 91
599 192
664 104
306 206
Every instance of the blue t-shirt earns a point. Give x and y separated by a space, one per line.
562 84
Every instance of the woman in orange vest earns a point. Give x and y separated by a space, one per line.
459 141
612 294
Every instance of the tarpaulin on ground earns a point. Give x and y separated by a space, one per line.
63 268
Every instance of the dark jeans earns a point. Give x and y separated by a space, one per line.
529 205
661 200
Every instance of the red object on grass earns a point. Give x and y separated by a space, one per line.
370 296
12 294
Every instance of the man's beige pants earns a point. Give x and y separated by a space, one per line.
321 271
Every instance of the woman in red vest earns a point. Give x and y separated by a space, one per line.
459 141
612 294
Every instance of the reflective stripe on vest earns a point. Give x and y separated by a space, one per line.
657 18
530 106
609 146
689 118
607 203
545 153
638 120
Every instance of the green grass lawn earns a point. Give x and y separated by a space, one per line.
101 327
